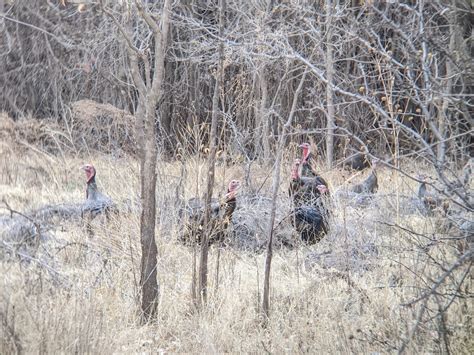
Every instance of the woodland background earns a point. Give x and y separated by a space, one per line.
397 68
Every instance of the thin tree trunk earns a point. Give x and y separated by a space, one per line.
257 122
275 186
426 104
264 116
263 119
329 91
2 11
148 279
442 111
203 263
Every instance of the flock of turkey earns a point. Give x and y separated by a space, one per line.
308 192
239 219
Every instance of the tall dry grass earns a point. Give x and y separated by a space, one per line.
79 293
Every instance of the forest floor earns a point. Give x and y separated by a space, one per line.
79 293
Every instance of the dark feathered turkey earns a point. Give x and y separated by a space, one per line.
370 184
310 213
311 221
430 200
357 161
304 190
221 215
310 224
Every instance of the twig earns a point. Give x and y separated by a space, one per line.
465 257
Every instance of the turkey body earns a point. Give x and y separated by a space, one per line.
430 201
307 192
310 213
219 219
369 185
305 179
96 202
311 224
358 161
303 190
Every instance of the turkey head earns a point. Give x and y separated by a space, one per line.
323 189
306 151
90 172
234 185
375 162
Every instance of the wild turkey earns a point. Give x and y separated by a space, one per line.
467 172
308 163
96 202
221 215
303 190
357 161
370 184
295 182
311 220
430 201
462 185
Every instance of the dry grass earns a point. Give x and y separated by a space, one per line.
86 299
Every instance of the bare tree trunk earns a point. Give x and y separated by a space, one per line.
442 111
149 92
257 122
329 91
426 104
203 267
148 280
264 116
2 9
275 186
262 121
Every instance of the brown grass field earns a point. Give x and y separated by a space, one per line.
79 293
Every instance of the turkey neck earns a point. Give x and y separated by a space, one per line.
422 190
295 173
305 168
91 190
372 177
308 171
295 184
230 205
305 156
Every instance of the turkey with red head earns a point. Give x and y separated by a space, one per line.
221 215
303 189
295 182
96 202
308 164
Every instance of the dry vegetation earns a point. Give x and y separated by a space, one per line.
236 85
75 293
